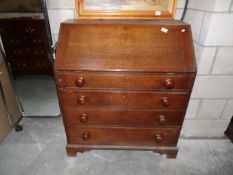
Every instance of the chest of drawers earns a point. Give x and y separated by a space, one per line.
124 84
26 44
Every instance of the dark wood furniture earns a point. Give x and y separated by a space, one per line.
124 84
26 44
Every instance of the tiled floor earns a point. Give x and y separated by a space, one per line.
39 150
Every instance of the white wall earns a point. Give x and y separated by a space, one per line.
211 105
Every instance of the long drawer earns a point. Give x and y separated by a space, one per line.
17 40
29 66
117 117
122 136
126 99
22 52
96 80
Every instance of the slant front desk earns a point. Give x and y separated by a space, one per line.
124 84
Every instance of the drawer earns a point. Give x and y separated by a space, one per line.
129 117
127 99
30 53
33 65
122 136
13 40
16 52
128 81
23 41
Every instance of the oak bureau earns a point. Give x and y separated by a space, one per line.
124 84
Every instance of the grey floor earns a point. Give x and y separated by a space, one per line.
39 150
38 95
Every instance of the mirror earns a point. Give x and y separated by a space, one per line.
27 43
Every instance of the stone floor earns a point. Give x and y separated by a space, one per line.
39 150
38 95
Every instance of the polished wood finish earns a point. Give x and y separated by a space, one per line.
116 45
126 117
124 84
82 13
25 41
122 136
127 99
89 80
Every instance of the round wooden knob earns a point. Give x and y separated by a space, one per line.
169 83
158 138
81 100
165 101
86 136
162 119
80 82
83 118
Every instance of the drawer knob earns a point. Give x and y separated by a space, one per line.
165 101
158 138
86 136
83 118
162 119
80 82
81 100
169 83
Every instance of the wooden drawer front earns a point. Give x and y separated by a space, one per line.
20 40
13 40
122 136
17 52
152 100
32 65
127 81
87 117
